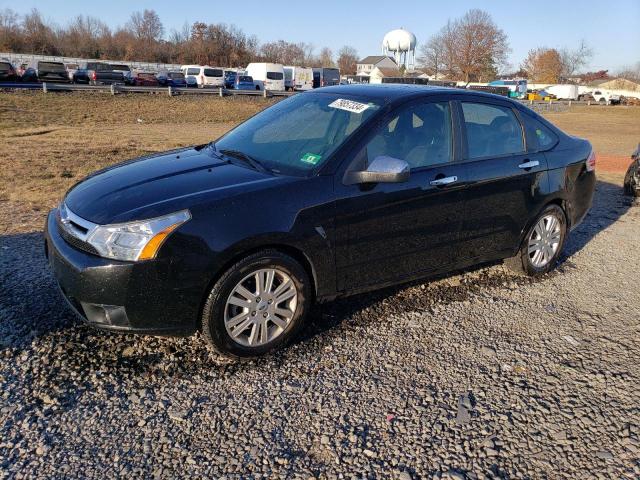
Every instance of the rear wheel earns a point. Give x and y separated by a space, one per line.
257 306
543 243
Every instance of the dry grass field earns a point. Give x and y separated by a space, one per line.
50 141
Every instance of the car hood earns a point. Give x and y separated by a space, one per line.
160 184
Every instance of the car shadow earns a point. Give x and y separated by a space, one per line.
31 306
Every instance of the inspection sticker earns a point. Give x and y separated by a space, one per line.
311 158
349 105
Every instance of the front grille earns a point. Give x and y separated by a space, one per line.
76 242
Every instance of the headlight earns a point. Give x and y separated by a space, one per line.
135 240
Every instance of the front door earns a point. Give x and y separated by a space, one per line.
392 232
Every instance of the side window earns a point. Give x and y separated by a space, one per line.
420 134
541 136
492 130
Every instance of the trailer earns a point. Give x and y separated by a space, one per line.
564 92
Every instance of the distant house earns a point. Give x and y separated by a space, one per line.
378 73
367 64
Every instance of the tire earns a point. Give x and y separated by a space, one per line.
631 180
529 263
220 318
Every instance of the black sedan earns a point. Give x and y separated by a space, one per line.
331 192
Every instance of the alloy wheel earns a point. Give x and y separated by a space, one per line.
260 307
544 240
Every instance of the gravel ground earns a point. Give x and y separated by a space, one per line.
479 375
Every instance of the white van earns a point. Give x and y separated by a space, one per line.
205 76
298 78
267 76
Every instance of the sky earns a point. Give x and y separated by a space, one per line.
611 28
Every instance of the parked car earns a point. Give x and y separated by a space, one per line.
41 71
267 76
244 82
205 76
98 73
171 79
72 68
142 79
325 77
632 177
298 78
21 69
7 72
606 98
358 187
122 68
230 78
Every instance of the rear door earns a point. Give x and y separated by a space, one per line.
504 179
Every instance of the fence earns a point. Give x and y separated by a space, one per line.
538 105
117 88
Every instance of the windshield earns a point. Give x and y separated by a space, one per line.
299 134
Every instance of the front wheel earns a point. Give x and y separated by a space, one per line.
257 306
543 243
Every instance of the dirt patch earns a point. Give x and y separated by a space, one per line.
613 130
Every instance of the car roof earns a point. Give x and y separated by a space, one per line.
391 92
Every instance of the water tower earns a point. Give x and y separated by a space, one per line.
402 45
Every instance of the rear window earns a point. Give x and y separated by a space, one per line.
5 67
193 71
176 76
213 72
539 134
51 66
331 74
124 68
275 75
102 67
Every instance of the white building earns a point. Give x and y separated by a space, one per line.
366 65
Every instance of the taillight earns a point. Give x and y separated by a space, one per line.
591 162
94 77
322 83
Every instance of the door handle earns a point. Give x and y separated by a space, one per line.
439 182
529 164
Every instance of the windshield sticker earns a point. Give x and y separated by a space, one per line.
349 105
311 158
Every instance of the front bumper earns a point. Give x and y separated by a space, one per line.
141 297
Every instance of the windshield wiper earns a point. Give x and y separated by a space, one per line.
246 158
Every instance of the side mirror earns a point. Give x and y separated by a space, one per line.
382 169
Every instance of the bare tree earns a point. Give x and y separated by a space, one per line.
146 25
11 38
574 60
38 37
325 59
481 47
432 54
631 73
347 60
